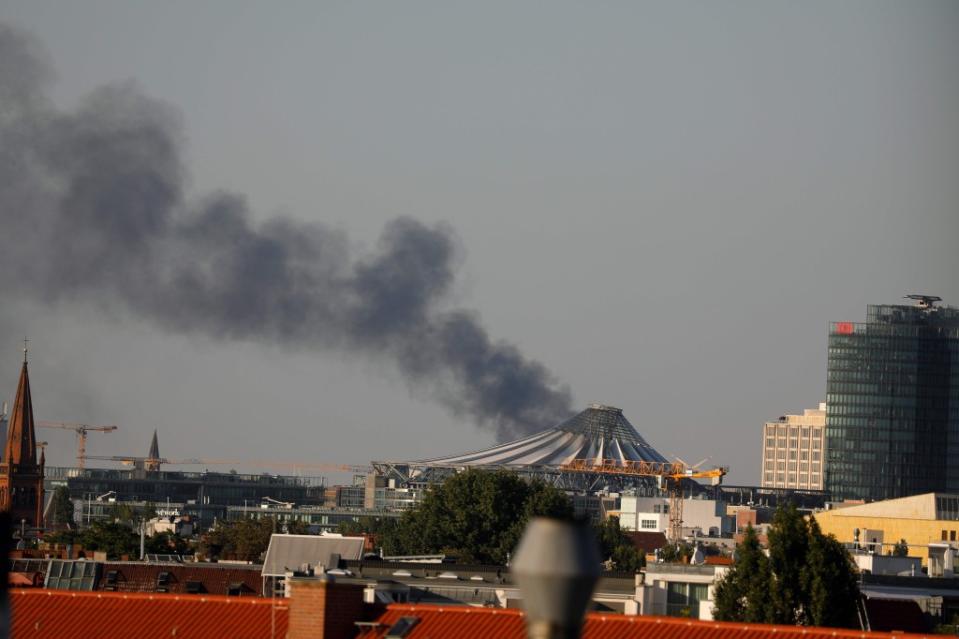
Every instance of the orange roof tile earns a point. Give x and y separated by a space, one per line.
483 623
65 614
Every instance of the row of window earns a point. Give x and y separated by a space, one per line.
781 453
793 455
794 431
781 477
803 467
793 443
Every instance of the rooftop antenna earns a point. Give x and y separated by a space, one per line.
925 302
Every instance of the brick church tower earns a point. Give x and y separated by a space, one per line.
21 476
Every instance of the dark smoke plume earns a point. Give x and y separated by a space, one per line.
93 207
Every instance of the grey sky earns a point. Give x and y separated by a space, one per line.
664 203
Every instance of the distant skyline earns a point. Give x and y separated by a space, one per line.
663 203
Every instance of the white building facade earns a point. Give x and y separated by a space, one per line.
794 450
702 517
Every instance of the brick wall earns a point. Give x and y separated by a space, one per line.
320 608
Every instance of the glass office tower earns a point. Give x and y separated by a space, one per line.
892 402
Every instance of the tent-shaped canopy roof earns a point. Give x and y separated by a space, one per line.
599 432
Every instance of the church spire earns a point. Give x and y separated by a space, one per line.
21 446
154 447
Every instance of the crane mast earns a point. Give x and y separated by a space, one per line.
81 430
669 474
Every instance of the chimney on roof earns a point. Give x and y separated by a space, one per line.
556 566
320 607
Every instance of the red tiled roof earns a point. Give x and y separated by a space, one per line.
64 614
483 623
647 541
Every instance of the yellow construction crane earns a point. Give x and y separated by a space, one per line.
669 474
81 430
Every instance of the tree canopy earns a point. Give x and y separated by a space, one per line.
117 539
476 516
616 547
62 507
744 593
808 578
245 539
113 538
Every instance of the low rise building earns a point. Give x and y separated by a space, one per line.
921 521
701 517
679 590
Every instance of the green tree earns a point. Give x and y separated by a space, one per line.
123 513
62 507
901 549
296 527
743 594
830 582
788 547
167 542
115 539
679 552
808 579
382 530
244 539
616 546
477 515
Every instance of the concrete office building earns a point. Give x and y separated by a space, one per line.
793 450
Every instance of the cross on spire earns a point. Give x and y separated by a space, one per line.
26 348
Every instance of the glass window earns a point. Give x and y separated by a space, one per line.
683 599
648 524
